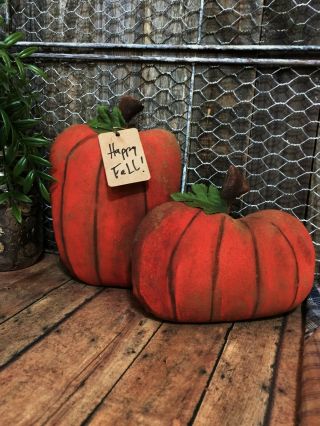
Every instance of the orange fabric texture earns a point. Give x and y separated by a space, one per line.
193 267
94 224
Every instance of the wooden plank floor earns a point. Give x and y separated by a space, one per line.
72 354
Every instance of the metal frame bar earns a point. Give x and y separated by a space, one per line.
182 48
85 57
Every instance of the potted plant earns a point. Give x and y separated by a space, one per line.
22 165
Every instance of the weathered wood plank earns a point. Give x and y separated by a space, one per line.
166 381
221 121
313 201
108 21
285 117
229 22
83 358
286 390
223 95
19 289
284 126
290 22
241 382
27 327
310 393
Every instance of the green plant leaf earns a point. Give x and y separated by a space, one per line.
11 153
4 197
21 68
35 141
19 196
13 39
15 104
25 53
28 181
39 160
6 59
16 211
204 197
20 167
36 70
26 123
5 123
46 176
43 191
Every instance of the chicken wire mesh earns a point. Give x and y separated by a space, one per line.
202 73
175 21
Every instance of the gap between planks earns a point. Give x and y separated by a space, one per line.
105 362
20 289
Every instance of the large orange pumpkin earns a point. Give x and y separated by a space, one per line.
94 224
189 266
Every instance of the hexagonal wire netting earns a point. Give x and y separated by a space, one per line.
201 73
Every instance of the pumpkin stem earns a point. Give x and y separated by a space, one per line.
234 185
117 118
129 107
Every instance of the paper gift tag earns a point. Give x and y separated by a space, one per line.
123 157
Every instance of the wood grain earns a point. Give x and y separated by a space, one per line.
164 384
241 382
27 327
313 201
310 392
285 396
19 289
89 355
223 95
227 22
66 374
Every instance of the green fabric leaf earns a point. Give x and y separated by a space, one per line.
202 196
117 118
107 121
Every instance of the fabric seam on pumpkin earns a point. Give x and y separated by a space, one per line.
215 272
81 142
170 271
296 265
257 265
95 226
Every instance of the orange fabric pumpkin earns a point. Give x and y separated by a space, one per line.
189 266
94 224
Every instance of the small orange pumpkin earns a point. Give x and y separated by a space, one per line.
189 266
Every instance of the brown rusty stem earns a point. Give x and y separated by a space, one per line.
129 107
234 185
